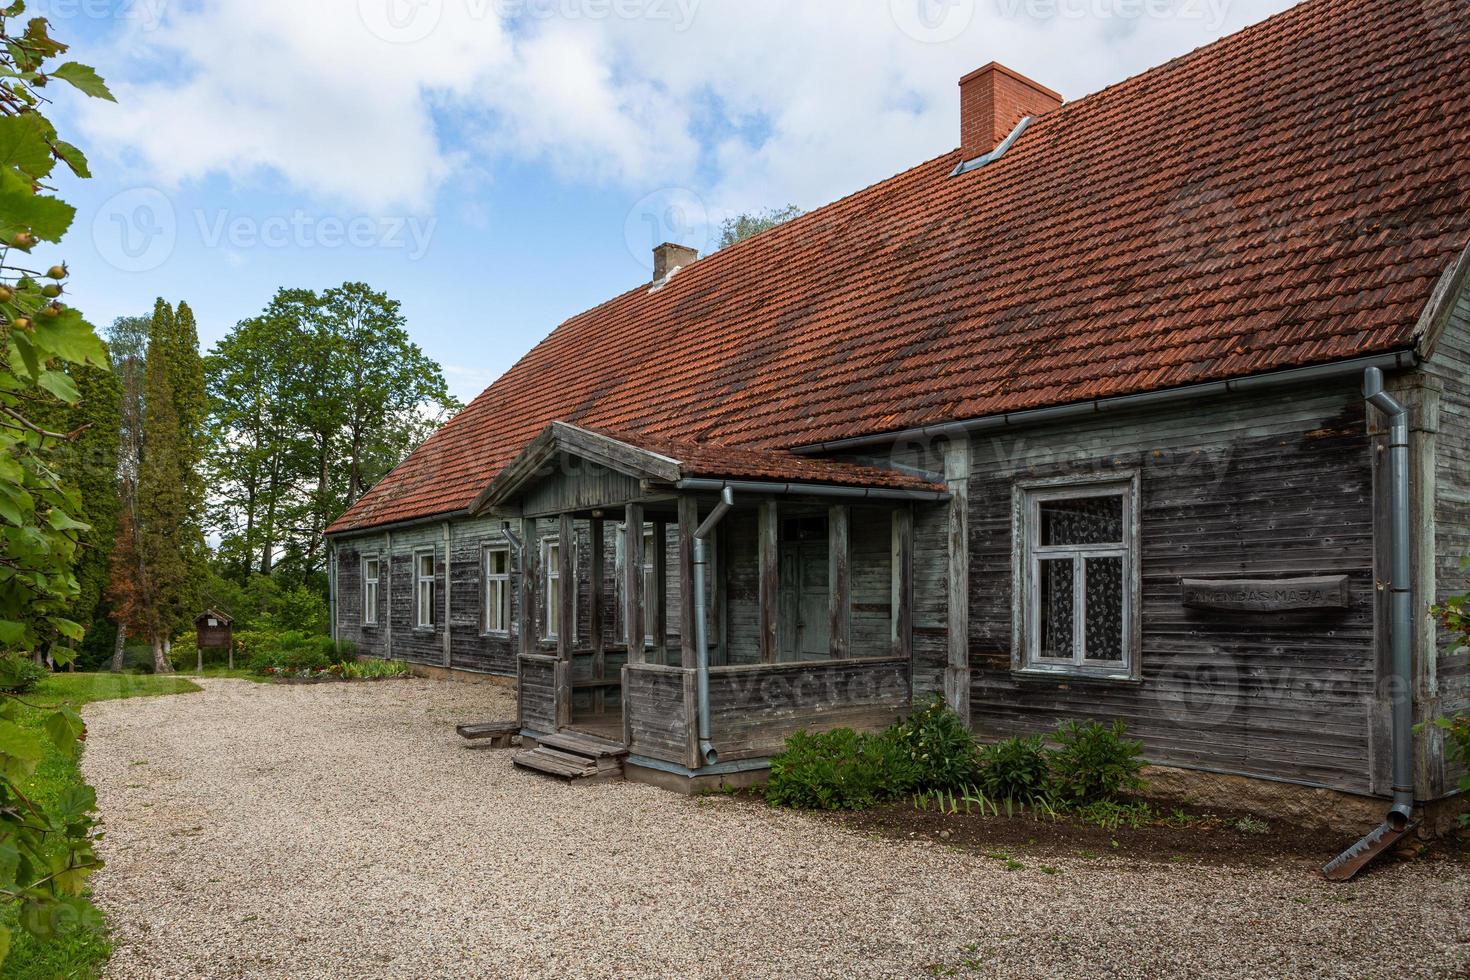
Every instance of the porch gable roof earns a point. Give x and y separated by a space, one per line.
667 461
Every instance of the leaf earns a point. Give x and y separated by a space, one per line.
72 157
84 78
11 632
64 727
67 628
46 217
60 385
70 338
9 511
60 520
23 145
20 744
4 943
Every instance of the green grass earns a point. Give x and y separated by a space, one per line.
81 953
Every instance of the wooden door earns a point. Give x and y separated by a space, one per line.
804 627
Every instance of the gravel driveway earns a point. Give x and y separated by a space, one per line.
344 831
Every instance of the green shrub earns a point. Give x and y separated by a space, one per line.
371 670
837 770
1095 763
20 674
1015 769
938 746
291 651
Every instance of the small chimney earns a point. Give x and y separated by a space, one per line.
669 258
992 100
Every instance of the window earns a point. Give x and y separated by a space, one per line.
1077 577
497 590
650 584
424 564
371 569
551 564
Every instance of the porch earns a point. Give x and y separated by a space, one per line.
806 607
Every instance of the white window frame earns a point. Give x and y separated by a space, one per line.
424 589
551 572
1028 555
371 583
499 609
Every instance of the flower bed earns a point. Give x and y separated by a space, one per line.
365 670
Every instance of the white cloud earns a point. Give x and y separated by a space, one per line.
377 103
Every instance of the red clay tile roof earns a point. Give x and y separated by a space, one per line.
1283 197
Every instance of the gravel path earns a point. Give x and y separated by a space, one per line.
343 831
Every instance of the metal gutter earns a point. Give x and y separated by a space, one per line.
1032 416
1400 817
701 621
809 490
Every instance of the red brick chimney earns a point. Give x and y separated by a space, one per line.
992 100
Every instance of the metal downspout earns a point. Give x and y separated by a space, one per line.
1400 816
701 621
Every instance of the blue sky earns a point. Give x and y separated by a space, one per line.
499 165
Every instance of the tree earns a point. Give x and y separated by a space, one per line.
749 223
127 346
47 847
191 405
168 584
311 403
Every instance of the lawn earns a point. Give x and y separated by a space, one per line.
82 953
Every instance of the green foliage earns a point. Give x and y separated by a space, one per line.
310 403
751 223
371 670
837 770
938 745
20 674
45 845
1095 762
1015 769
1457 750
292 651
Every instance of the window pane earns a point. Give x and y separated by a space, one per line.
1104 622
1055 633
1082 520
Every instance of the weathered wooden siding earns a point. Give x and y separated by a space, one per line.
1450 366
659 711
536 690
742 588
871 570
754 709
1273 485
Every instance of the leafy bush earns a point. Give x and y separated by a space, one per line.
293 651
1015 769
837 770
938 746
372 670
1095 762
20 674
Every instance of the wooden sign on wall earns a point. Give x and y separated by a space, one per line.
1267 595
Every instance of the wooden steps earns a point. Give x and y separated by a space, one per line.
499 734
573 755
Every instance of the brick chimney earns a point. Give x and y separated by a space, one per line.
992 100
669 258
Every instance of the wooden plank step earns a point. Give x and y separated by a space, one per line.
554 764
491 729
577 743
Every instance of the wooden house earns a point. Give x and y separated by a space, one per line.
1066 423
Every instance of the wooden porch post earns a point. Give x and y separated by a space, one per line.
566 617
688 524
529 556
633 581
658 603
903 582
770 579
594 610
839 582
